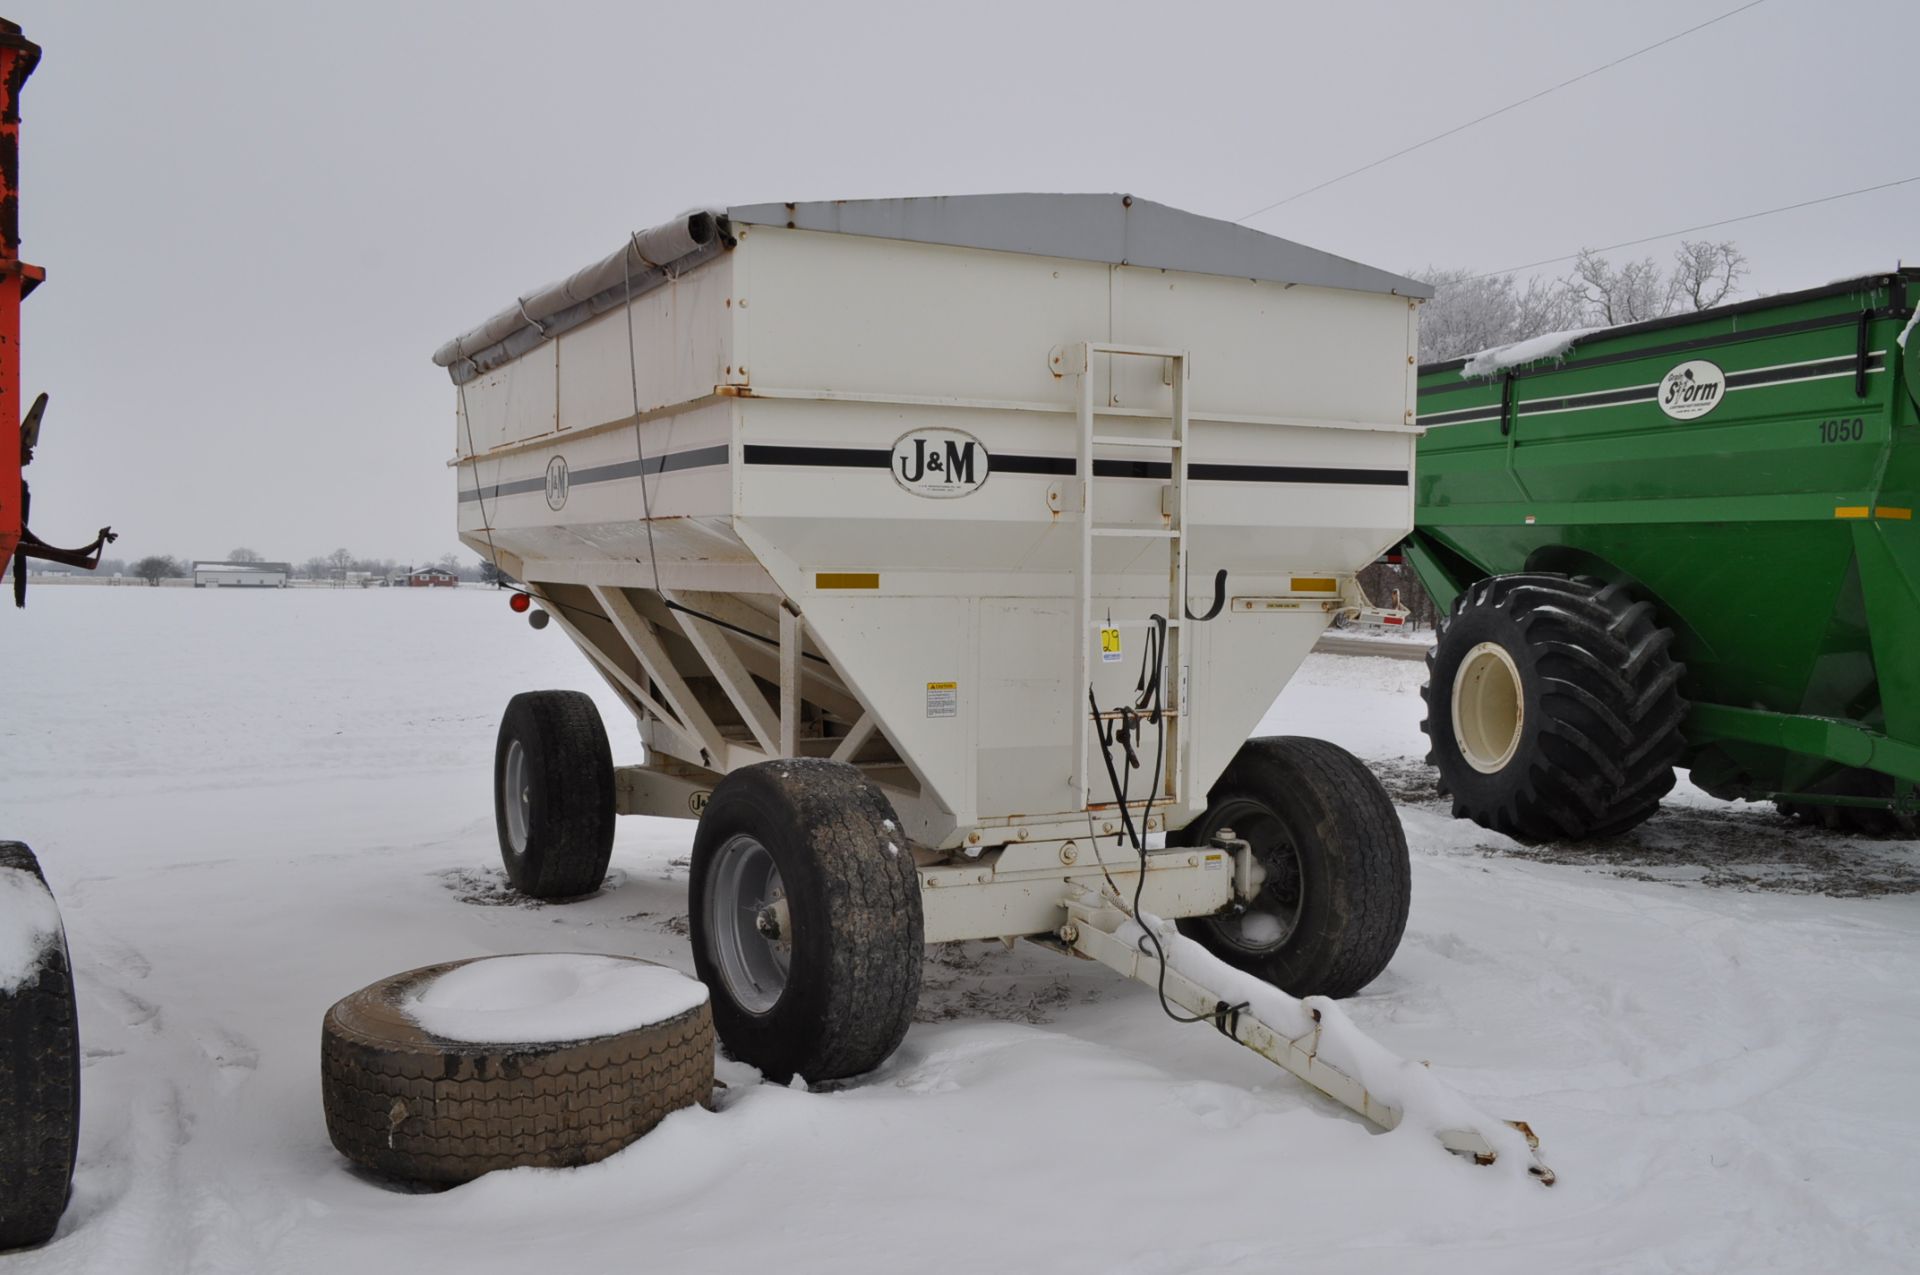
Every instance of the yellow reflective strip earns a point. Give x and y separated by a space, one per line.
1894 511
1315 584
846 580
1851 511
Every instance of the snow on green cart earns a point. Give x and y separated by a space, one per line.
1688 542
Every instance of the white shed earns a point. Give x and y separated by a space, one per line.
241 575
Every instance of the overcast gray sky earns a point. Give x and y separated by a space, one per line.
258 220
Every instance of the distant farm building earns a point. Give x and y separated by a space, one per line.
241 575
432 578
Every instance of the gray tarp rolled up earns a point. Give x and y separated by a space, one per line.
648 259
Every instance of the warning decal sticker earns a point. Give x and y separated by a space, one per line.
943 699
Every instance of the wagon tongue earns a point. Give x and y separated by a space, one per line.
1311 1038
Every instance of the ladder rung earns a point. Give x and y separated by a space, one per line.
1114 440
1138 533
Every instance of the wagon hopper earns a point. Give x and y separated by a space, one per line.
947 551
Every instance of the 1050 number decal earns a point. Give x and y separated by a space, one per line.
1843 431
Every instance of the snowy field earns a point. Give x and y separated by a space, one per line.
251 804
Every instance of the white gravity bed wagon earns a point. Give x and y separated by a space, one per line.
947 551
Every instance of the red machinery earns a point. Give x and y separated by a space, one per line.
39 1021
18 57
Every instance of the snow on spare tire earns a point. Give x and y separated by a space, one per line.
444 1073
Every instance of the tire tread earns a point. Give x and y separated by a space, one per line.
1609 733
39 1086
408 1105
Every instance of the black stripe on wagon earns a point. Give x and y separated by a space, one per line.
692 458
1032 464
862 457
1804 372
515 488
830 457
1296 474
1600 398
1488 412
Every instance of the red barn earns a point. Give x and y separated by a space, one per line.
432 578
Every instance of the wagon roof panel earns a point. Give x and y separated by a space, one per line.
1112 228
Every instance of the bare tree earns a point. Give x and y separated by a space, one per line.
1613 295
157 567
340 559
1472 312
1704 274
243 555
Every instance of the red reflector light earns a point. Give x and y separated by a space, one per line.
520 602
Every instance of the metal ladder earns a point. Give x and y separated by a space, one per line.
1077 360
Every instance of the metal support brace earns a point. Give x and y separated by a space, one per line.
1092 922
621 680
647 649
723 662
856 738
789 682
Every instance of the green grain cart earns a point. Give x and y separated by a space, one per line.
1688 542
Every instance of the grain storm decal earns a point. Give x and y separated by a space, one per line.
940 463
1692 389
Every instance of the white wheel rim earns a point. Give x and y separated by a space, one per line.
516 798
745 895
1488 708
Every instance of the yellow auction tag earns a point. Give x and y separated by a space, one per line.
1109 646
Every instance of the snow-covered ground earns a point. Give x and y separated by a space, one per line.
251 804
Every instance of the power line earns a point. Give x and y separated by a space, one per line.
1461 128
1708 225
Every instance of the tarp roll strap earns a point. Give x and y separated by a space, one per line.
648 259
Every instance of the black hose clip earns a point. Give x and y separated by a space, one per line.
1219 599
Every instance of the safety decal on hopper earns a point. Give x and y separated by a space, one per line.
943 699
1109 645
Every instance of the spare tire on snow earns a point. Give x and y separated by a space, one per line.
39 1055
616 1046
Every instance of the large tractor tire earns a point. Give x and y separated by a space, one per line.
1334 904
1553 707
410 1105
39 1055
805 919
1864 821
553 794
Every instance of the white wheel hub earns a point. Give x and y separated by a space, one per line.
1488 708
517 797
